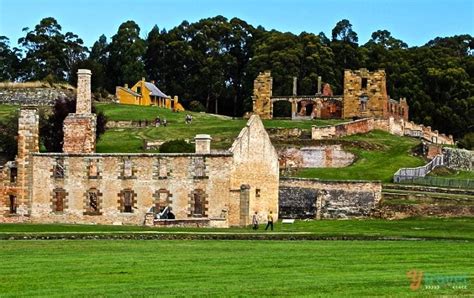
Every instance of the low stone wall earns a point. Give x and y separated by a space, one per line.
329 156
33 96
342 129
285 133
314 198
394 126
129 124
458 159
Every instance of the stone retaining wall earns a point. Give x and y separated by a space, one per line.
314 198
32 96
458 159
329 156
398 127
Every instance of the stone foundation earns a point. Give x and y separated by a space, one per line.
314 198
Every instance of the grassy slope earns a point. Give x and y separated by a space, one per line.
223 129
378 164
212 268
440 228
371 165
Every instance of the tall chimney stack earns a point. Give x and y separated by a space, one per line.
84 102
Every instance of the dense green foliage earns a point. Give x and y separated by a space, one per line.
229 268
215 60
8 133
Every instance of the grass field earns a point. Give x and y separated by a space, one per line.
241 268
228 268
432 228
380 163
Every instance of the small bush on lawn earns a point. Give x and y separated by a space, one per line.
176 146
196 106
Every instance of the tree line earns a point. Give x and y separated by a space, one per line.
215 60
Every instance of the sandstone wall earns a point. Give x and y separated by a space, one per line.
262 93
314 198
171 178
255 169
374 90
328 156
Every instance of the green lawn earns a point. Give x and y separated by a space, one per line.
229 268
379 163
435 228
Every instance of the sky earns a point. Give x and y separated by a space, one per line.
414 22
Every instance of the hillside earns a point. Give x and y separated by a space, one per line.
379 154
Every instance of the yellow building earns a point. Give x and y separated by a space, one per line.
146 94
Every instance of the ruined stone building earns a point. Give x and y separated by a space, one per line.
205 188
365 95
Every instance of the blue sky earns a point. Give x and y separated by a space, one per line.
415 22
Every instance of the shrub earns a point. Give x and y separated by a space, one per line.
176 146
467 142
196 106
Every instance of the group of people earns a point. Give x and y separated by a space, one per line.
269 221
159 122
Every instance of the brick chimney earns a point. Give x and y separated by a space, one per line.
79 128
203 143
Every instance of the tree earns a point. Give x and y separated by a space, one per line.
49 52
126 50
8 133
9 61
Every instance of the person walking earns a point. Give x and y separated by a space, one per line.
270 221
255 221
